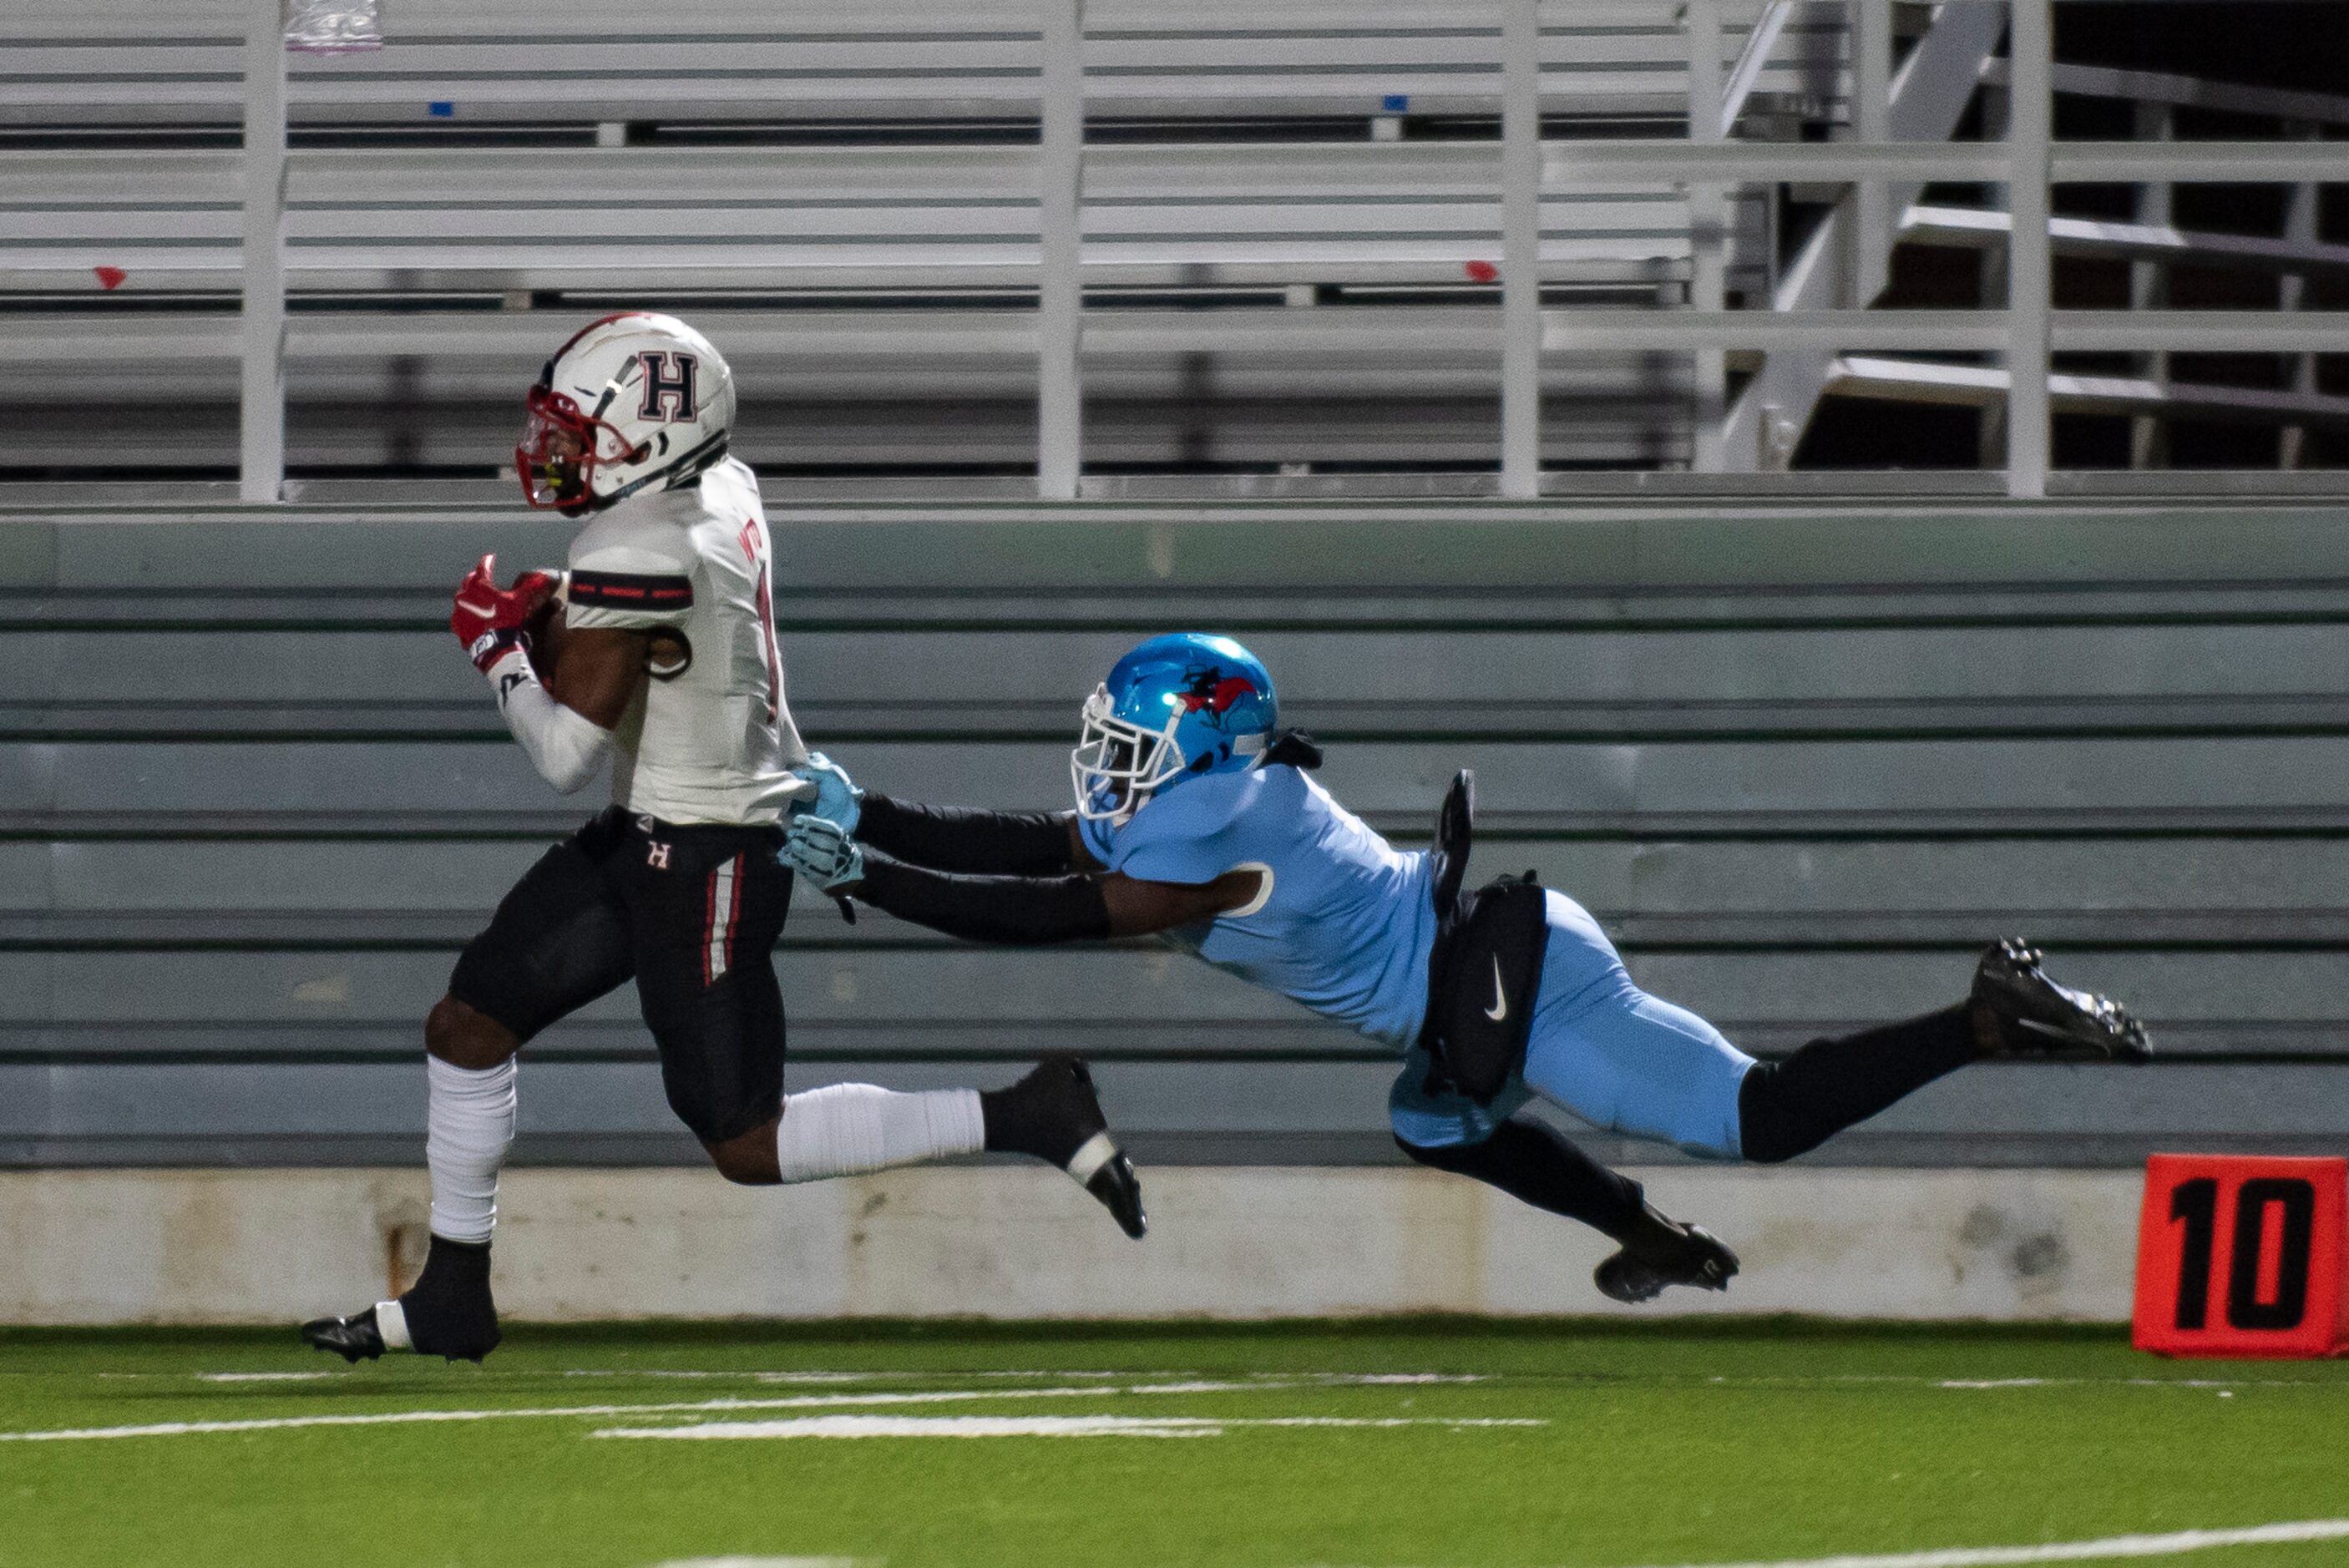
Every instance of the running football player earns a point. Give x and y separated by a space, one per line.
1196 821
670 672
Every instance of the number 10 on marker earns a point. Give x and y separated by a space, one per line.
2243 1256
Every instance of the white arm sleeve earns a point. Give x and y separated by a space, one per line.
565 747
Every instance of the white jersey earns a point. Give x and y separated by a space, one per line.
714 743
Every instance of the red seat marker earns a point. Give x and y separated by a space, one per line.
2242 1255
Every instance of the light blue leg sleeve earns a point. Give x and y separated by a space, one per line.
1624 1060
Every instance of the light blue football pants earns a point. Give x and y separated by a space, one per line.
1600 1048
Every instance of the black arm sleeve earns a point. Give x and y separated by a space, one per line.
954 839
1026 910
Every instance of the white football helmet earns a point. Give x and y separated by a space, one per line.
634 401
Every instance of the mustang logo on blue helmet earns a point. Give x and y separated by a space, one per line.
1208 689
1177 705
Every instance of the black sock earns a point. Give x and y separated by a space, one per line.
1541 1167
1791 1107
453 1269
1044 1114
449 1308
1010 1126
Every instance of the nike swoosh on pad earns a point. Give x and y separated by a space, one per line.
1500 1008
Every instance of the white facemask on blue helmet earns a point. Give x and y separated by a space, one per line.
1177 706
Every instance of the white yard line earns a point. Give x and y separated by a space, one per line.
1205 1386
795 1402
1257 1379
2109 1548
938 1427
743 1377
1456 1422
402 1417
751 1375
772 1562
1025 1426
265 1376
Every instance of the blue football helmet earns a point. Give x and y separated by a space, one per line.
1176 706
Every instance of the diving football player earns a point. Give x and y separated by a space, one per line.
1196 820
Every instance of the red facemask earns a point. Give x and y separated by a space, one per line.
559 450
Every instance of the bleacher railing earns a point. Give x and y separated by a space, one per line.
2026 332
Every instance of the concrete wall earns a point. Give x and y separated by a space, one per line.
1801 760
275 1246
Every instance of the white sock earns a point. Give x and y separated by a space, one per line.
845 1127
469 1124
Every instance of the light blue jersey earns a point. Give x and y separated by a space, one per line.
1347 922
1346 926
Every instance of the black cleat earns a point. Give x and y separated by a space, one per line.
1054 1114
448 1312
2019 1012
1675 1254
355 1338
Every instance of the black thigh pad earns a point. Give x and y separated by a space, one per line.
1481 997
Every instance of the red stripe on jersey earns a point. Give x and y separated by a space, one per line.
628 588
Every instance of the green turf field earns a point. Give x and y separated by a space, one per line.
1386 1444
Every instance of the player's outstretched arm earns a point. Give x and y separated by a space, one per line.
982 844
955 839
1022 910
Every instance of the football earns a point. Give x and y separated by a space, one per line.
547 634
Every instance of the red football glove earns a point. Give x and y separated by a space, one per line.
489 622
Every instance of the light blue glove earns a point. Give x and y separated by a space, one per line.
836 794
821 851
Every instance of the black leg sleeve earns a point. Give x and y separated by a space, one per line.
1533 1163
1791 1107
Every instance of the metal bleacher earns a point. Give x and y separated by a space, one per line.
842 195
785 218
1801 761
843 231
874 189
539 62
